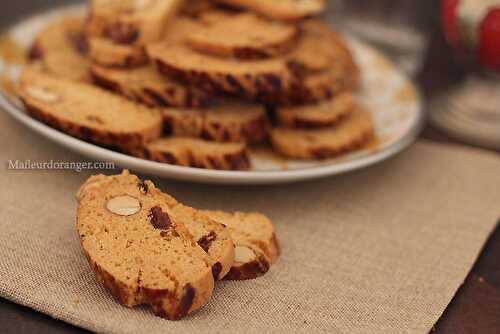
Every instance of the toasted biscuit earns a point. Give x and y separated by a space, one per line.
221 75
295 78
87 112
130 22
281 9
144 84
325 142
60 47
104 52
245 36
137 241
323 114
230 122
257 246
193 152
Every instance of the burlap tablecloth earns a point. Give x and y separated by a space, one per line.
382 250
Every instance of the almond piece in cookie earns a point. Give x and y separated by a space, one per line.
281 9
323 114
87 112
256 245
245 36
144 84
231 122
199 153
60 47
324 143
140 248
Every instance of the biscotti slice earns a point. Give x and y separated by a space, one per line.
130 22
245 36
88 112
198 153
213 237
324 143
139 248
323 114
144 84
281 9
104 52
324 64
229 122
318 68
256 245
60 47
221 75
319 48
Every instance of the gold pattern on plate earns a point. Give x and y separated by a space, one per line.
7 85
406 95
11 52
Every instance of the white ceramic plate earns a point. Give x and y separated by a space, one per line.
392 98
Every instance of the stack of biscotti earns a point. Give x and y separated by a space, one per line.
225 75
147 248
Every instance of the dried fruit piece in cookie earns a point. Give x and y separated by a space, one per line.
231 122
326 113
144 84
139 247
281 9
256 245
104 52
199 153
221 75
60 47
131 22
245 36
324 143
87 112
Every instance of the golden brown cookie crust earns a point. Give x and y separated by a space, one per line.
87 112
60 49
287 10
227 122
158 262
145 85
244 36
104 52
323 114
324 143
198 153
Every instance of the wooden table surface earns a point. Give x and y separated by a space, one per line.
475 308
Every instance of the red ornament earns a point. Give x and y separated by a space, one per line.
473 26
489 41
449 17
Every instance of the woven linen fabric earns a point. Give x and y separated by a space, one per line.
381 250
